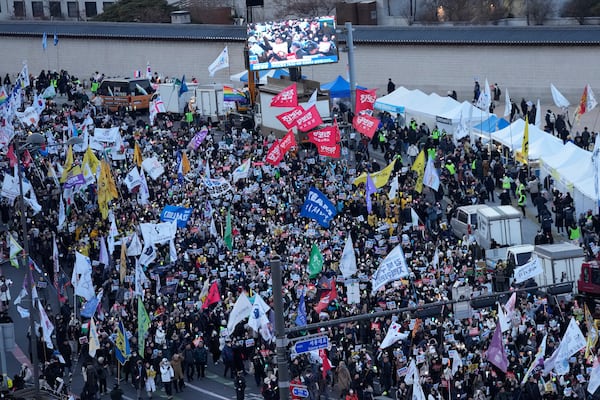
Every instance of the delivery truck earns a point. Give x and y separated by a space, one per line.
209 102
173 101
500 225
560 262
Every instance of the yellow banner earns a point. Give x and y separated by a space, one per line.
419 168
522 156
380 178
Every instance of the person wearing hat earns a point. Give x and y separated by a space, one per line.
166 376
240 385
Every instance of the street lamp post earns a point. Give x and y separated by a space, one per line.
33 142
280 336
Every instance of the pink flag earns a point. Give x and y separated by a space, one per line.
495 353
365 99
288 97
288 118
325 136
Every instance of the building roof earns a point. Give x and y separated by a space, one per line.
422 35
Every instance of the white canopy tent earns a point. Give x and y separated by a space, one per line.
551 164
432 108
540 143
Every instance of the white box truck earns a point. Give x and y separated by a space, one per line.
209 101
169 94
501 224
561 262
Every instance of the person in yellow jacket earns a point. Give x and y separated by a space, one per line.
574 233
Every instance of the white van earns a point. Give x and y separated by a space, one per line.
464 220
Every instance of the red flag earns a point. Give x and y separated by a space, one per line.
274 155
27 160
287 142
326 298
288 118
12 157
365 100
329 151
288 97
365 124
326 136
213 296
309 120
326 362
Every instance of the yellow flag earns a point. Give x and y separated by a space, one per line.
68 165
522 155
90 159
123 263
185 164
380 178
419 168
137 155
592 331
107 189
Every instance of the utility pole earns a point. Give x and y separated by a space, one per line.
350 44
280 336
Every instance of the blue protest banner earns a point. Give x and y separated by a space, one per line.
318 207
180 214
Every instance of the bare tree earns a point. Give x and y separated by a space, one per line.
539 10
580 9
303 8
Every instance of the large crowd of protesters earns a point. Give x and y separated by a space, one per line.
184 338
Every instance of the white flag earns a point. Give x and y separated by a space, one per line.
213 227
221 62
348 260
507 103
393 188
312 101
485 98
560 100
134 247
47 326
24 76
144 193
538 115
410 374
62 214
431 177
242 171
393 335
133 179
537 359
240 311
258 315
503 320
456 361
572 341
94 342
594 382
82 277
392 268
141 280
23 312
112 233
103 257
172 251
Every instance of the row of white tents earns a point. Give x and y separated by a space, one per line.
570 166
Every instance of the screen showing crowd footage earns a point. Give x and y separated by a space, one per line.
292 43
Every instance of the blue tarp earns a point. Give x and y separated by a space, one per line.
339 88
492 124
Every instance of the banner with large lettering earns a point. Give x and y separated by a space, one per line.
531 269
392 268
365 99
274 155
318 207
289 118
158 233
309 120
288 97
365 124
176 213
106 134
326 136
333 151
287 142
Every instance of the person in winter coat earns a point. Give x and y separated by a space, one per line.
166 376
342 378
200 359
240 385
178 382
150 382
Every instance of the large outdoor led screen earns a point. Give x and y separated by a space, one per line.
292 43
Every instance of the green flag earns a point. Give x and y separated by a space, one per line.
228 238
143 326
315 262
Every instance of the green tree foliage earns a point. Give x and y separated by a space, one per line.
137 11
580 9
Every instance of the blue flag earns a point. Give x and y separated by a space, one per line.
301 317
90 307
370 189
179 214
183 88
55 39
318 207
122 349
44 41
